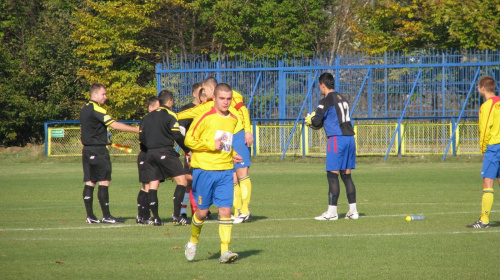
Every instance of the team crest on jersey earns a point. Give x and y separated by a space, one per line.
226 138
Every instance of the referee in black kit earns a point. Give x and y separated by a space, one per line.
158 132
94 121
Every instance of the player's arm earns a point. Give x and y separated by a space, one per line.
142 136
196 137
484 126
195 111
247 126
242 111
103 116
317 118
176 131
124 127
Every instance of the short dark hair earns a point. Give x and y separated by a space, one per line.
152 100
164 96
222 87
95 87
328 80
196 87
488 82
210 81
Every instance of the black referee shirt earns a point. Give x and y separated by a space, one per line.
159 129
93 124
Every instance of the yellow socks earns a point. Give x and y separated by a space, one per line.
225 227
486 204
196 226
246 192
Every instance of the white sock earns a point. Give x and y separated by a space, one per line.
352 208
332 210
185 201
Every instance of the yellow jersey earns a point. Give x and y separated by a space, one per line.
200 138
236 104
489 123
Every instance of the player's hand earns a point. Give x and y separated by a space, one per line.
237 159
218 144
248 139
308 119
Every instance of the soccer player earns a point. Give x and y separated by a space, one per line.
159 130
243 139
143 212
211 139
96 162
188 197
489 143
333 115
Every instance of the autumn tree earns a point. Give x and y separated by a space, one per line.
113 52
38 79
419 24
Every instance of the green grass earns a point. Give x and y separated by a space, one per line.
43 234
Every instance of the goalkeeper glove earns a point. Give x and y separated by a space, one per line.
308 119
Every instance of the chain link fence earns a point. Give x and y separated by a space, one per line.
371 139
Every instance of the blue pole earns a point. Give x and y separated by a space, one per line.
311 85
462 111
398 128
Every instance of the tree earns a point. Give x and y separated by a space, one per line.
113 52
265 27
417 24
37 68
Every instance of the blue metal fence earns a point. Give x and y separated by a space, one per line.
426 84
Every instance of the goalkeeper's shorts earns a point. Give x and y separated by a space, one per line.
340 153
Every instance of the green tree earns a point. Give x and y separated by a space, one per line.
38 68
265 27
416 24
112 50
471 24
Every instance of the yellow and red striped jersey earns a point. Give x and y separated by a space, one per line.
200 138
236 104
489 123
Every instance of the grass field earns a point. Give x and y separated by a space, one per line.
43 234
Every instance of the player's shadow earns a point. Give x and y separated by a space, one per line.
241 254
256 219
342 215
495 224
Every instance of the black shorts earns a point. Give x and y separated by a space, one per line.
96 164
142 167
163 163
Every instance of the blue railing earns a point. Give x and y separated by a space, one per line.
394 85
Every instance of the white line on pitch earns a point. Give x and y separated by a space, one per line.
471 231
259 220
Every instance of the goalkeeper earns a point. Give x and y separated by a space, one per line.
333 115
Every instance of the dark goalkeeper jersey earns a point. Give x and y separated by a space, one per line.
94 121
333 114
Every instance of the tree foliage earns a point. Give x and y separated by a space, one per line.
109 43
52 50
37 68
409 25
265 26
